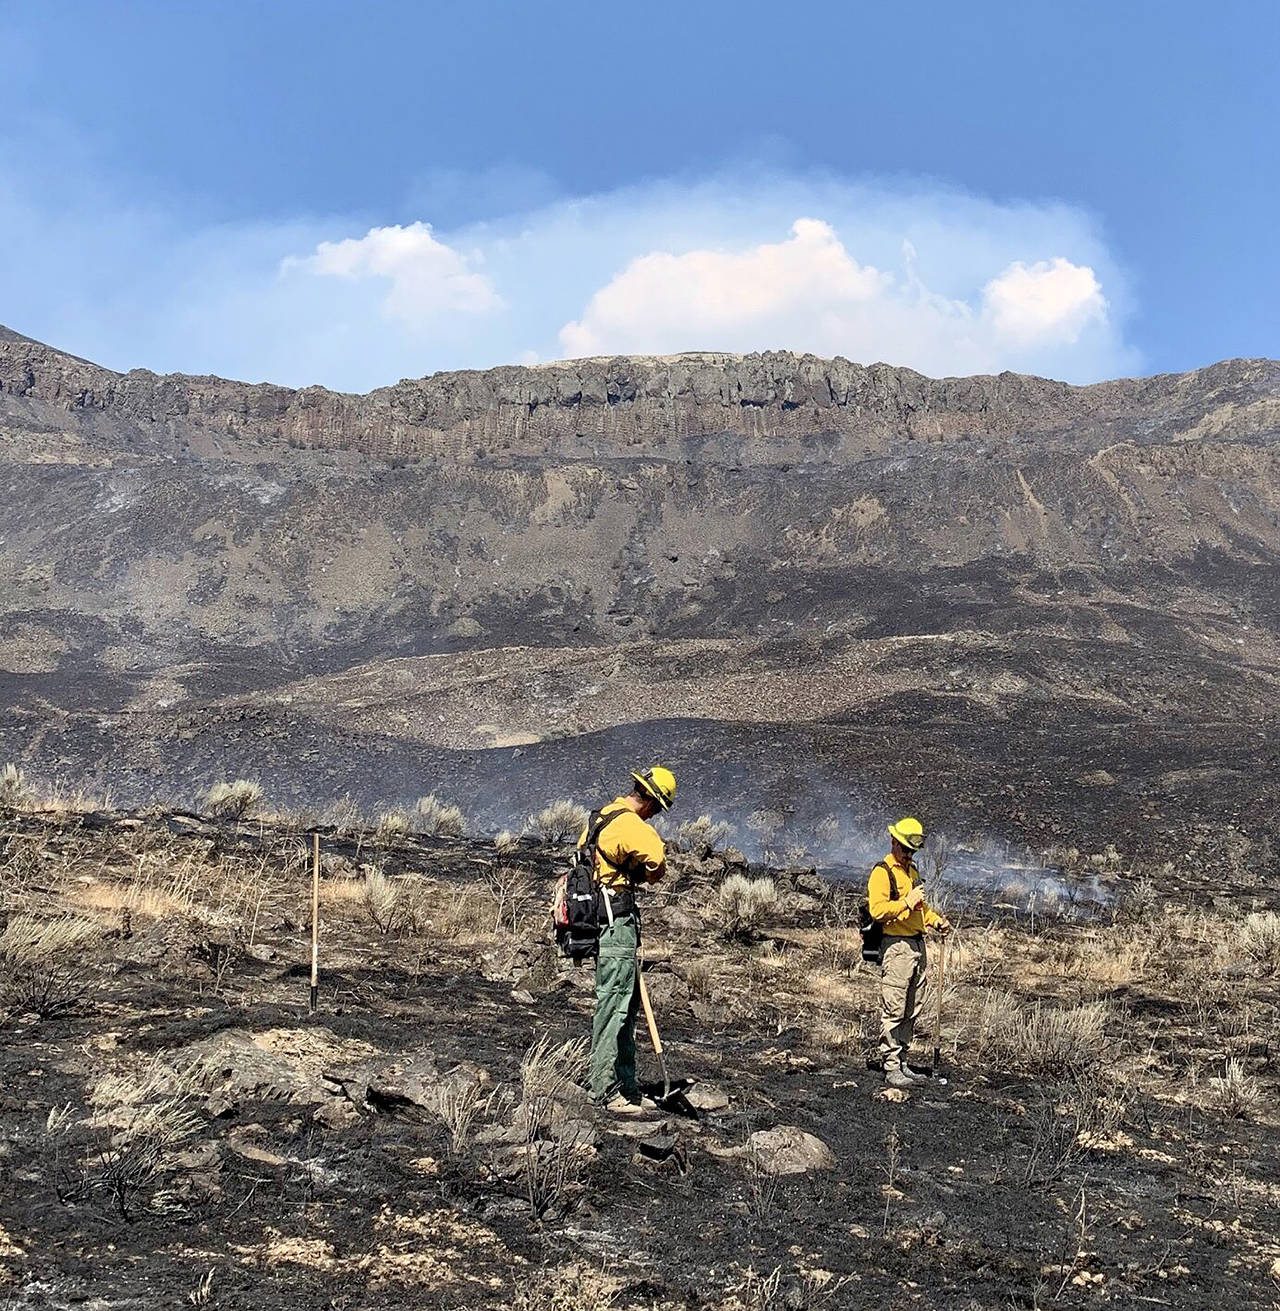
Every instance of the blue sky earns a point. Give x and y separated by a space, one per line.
351 193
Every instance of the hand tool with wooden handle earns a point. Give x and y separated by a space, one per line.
653 1034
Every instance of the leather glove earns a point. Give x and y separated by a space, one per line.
914 898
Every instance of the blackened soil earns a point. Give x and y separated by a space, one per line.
312 1200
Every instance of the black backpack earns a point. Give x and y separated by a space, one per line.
872 930
575 912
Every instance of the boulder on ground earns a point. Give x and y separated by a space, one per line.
236 1065
787 1149
409 1081
707 1097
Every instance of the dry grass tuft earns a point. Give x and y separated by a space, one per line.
438 818
547 1068
42 963
1038 1038
1237 1092
835 1034
27 940
344 816
22 863
1259 939
571 1287
235 800
463 913
559 821
14 793
742 906
143 1119
138 899
553 1164
456 1103
342 890
64 800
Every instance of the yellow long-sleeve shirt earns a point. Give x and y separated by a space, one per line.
630 850
899 920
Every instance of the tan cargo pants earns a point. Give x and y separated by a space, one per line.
904 967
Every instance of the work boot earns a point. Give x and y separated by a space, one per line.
620 1104
896 1078
916 1076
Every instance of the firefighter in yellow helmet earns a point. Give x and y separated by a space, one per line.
629 852
898 905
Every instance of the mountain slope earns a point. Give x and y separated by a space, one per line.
474 562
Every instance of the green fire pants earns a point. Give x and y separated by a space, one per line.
613 1028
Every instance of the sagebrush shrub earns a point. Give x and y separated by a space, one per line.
742 905
235 800
439 818
559 821
701 836
392 824
1140 903
392 904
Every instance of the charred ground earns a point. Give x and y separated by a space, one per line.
179 1129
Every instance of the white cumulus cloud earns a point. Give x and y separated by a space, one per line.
710 296
425 277
1050 301
810 293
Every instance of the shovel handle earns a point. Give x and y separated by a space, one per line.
648 1015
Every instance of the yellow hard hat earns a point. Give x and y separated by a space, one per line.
908 831
657 783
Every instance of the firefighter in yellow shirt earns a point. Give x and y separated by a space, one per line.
898 905
629 852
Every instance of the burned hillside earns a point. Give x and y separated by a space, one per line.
1048 610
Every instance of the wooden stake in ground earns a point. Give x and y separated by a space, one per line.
937 1019
315 920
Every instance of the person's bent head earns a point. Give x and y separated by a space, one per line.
654 790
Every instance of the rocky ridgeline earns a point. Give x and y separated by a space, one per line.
777 404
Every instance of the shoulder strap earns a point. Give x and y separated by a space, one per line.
893 883
600 820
